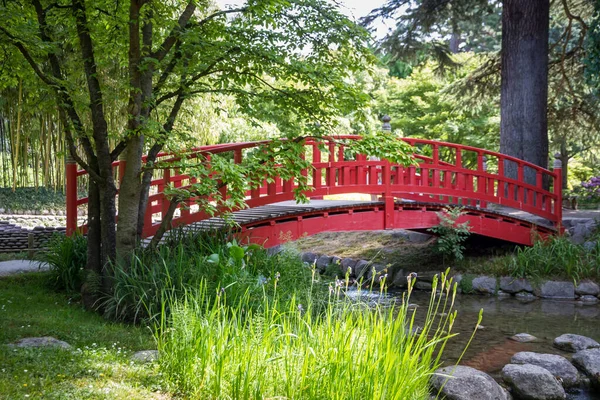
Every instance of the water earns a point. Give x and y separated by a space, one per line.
491 349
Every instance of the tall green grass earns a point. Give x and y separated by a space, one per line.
66 257
211 348
556 256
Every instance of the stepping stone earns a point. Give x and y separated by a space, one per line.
45 341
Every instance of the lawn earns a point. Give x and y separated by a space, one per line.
99 365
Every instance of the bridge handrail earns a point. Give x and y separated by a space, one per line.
342 174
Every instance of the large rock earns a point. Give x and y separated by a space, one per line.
323 262
580 232
347 263
589 362
587 288
485 284
145 356
523 338
556 290
400 280
309 257
466 383
45 341
575 343
530 382
360 268
515 285
558 366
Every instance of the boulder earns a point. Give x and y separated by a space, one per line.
309 257
347 263
556 290
400 280
525 297
485 284
587 288
589 299
466 383
509 284
580 232
422 285
575 343
45 341
360 267
558 366
145 356
589 362
531 382
523 338
323 262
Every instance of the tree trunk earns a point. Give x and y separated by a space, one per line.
454 42
90 291
564 159
524 87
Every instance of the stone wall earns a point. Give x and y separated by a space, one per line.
14 238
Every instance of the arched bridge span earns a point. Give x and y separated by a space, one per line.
497 204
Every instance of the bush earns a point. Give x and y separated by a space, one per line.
451 234
213 348
66 257
156 279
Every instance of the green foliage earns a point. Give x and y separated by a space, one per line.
66 256
31 199
451 234
558 257
592 60
214 348
155 280
466 283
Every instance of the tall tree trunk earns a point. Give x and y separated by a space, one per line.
524 87
90 291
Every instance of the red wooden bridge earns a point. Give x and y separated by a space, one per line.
495 204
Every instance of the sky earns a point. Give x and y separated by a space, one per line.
354 9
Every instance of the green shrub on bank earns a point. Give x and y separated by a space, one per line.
556 256
211 347
157 278
66 257
31 199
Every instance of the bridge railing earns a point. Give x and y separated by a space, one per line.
445 173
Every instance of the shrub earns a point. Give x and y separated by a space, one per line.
451 234
156 279
66 257
213 348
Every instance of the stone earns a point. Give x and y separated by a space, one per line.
400 280
323 262
575 343
580 232
428 276
589 299
309 257
556 290
587 288
422 285
589 246
509 284
466 383
380 271
336 260
360 267
523 338
44 341
530 382
589 362
503 294
145 356
484 284
525 297
347 263
557 365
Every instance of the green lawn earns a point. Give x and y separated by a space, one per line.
98 367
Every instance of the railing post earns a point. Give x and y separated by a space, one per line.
71 193
165 201
122 166
386 181
558 189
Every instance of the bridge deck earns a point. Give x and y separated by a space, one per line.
290 211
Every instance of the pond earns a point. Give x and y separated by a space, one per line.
504 317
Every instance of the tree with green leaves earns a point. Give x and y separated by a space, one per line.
286 62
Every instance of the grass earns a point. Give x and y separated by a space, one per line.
349 351
13 256
98 368
31 199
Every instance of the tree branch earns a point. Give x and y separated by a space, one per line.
168 43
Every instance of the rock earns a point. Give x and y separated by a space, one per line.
575 343
412 237
428 276
336 260
466 383
422 285
581 231
589 299
45 341
347 263
484 284
587 288
400 280
309 257
145 356
525 296
589 362
380 271
515 285
523 338
589 246
502 293
360 268
556 290
530 382
558 366
323 262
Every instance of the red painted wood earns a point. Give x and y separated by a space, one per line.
435 180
